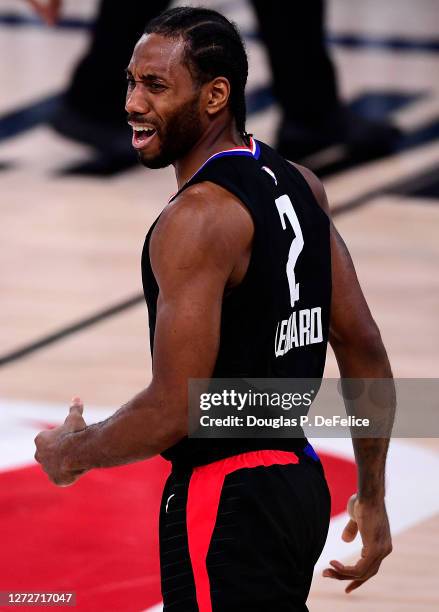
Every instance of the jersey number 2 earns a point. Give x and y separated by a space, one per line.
285 209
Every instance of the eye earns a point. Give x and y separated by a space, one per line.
156 87
130 80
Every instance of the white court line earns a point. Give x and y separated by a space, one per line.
17 432
411 494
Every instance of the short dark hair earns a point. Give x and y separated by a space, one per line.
214 47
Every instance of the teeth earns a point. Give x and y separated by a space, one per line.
142 129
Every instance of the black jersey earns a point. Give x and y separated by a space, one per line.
275 323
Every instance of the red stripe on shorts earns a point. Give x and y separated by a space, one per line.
202 508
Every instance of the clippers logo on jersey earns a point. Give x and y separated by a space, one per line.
304 326
271 173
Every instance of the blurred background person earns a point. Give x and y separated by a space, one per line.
304 83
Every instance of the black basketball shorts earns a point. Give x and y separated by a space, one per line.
243 533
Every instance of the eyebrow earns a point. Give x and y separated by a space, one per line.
146 77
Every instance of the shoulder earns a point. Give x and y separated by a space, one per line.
204 222
315 184
204 210
206 198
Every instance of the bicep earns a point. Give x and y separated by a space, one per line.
351 320
187 333
193 255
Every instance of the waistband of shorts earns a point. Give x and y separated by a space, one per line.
301 447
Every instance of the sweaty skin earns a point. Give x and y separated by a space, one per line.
199 250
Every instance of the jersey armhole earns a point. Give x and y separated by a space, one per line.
307 186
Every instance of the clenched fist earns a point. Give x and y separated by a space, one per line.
51 446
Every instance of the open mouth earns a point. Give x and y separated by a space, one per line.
142 135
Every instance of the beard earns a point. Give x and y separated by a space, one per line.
183 130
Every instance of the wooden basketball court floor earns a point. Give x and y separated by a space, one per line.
71 249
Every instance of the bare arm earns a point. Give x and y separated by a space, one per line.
360 353
196 250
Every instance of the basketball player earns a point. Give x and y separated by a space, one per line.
245 243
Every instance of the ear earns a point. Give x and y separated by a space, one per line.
218 92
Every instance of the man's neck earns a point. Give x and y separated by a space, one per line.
212 141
